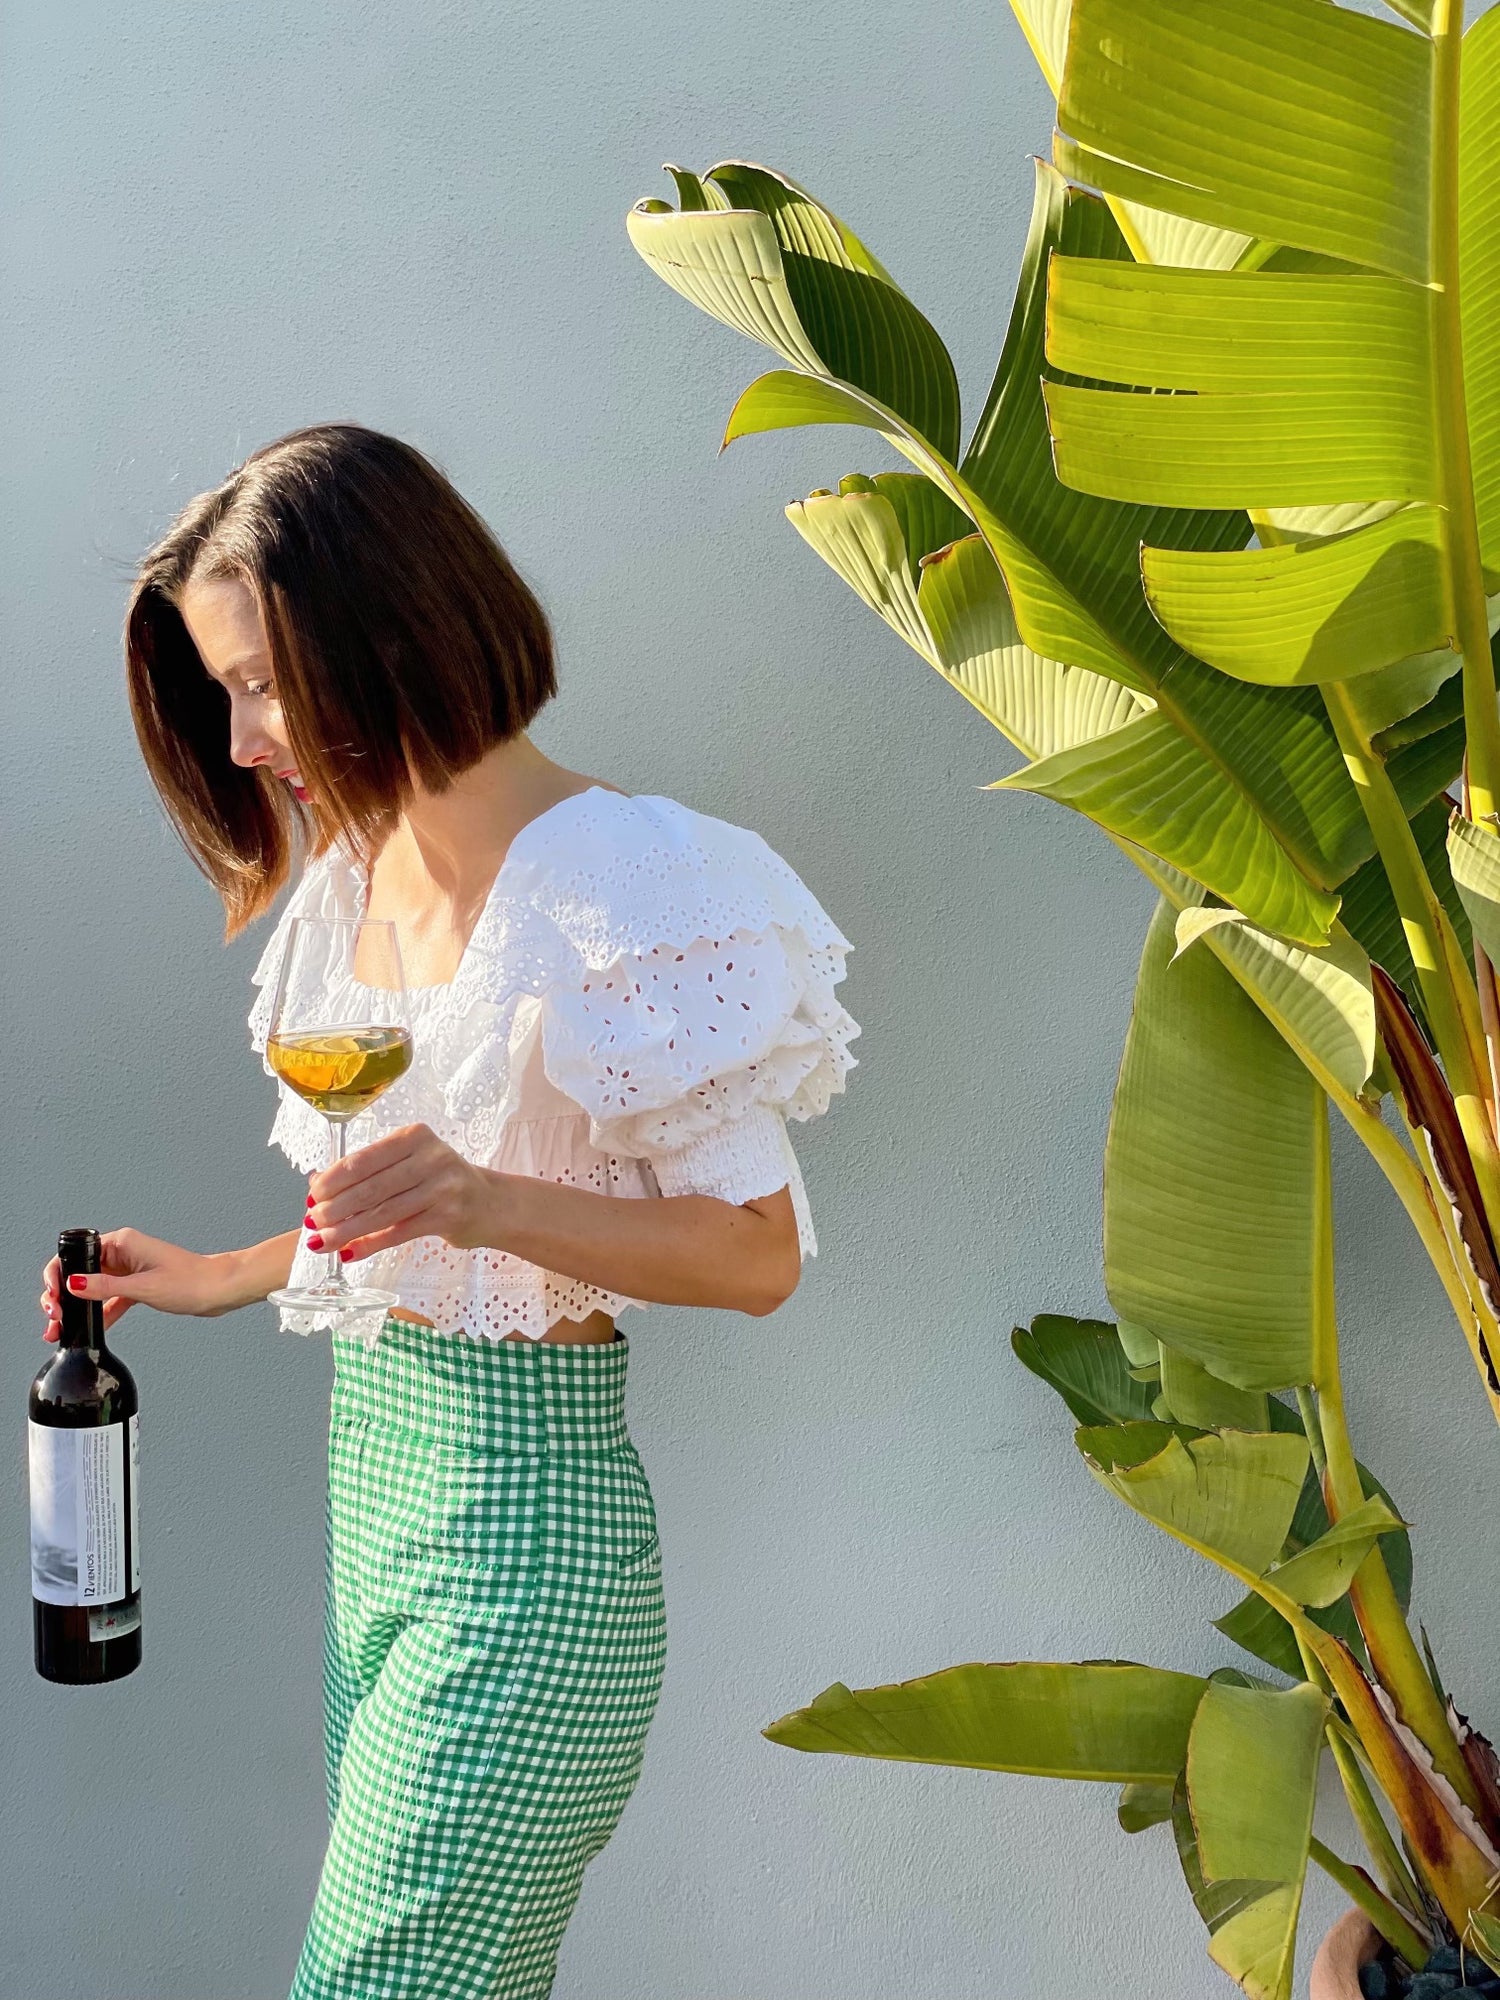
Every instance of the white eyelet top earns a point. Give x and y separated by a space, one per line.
646 999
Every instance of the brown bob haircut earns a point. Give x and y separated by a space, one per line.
402 641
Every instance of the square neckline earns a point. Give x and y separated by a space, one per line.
362 890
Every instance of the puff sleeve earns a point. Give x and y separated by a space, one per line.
695 1055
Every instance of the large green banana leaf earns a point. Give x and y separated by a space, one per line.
1319 1575
1216 1179
1155 237
1474 854
1261 763
1364 376
1192 1394
1082 1359
1250 1784
1106 1720
1087 1364
1264 1632
1230 1495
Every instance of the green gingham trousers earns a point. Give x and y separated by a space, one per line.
494 1646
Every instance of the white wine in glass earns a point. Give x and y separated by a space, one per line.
340 1035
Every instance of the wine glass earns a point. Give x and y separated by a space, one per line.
340 1035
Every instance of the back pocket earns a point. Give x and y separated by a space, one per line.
644 1560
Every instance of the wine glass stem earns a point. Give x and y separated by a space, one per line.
336 1280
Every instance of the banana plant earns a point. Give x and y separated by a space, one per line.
1221 558
1232 1439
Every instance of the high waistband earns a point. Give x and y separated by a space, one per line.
526 1397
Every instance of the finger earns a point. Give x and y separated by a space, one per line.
107 1285
361 1247
372 1159
395 1181
114 1310
386 1214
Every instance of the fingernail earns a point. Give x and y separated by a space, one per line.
307 1221
314 1242
309 1201
345 1255
76 1284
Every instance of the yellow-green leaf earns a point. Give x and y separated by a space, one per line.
1148 783
1474 857
1321 1573
1230 1495
1104 1719
1252 1773
1216 1177
1304 123
1322 1001
1310 611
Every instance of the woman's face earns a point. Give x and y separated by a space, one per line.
224 622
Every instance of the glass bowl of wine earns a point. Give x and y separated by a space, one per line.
340 1036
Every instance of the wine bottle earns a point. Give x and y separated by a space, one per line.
83 1438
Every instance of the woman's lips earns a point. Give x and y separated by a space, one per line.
294 780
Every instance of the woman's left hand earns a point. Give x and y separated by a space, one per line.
405 1185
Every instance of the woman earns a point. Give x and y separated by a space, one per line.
618 1002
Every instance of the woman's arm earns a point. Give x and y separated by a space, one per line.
686 1249
243 1277
140 1269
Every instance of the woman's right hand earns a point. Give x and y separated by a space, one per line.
139 1269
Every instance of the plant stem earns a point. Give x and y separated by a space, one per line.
1397 1930
1307 1409
1451 421
1366 1814
1447 988
1489 1014
1481 1329
1393 1652
1377 1836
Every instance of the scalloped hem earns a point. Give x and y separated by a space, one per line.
369 1327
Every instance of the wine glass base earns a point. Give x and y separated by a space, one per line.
339 1302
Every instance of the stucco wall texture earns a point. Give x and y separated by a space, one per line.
222 223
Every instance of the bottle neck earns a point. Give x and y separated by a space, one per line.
82 1322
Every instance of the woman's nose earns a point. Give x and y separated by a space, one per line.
249 745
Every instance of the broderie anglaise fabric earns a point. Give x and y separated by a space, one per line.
647 997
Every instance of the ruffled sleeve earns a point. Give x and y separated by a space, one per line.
707 1015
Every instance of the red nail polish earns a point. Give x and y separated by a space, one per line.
309 1201
314 1242
345 1255
76 1284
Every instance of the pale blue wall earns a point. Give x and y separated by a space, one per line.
220 223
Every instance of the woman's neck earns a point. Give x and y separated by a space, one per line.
455 841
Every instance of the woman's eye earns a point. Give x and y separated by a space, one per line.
260 687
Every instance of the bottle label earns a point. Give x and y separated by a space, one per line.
114 1621
78 1513
134 1427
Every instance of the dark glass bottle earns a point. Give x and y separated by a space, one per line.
84 1453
